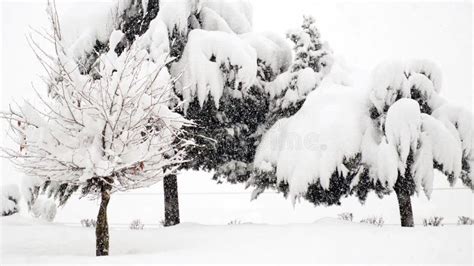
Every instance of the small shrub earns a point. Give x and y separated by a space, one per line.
346 216
378 221
233 222
464 220
433 221
10 197
88 223
136 225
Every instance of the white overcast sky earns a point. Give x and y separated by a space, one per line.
364 33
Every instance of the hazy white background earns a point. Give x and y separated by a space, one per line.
364 33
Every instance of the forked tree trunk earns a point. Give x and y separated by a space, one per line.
102 227
404 204
170 187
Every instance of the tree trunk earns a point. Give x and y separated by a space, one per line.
170 187
102 227
404 204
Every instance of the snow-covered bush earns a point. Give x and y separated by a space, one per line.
464 220
136 225
88 223
433 221
378 221
44 208
10 196
346 216
113 131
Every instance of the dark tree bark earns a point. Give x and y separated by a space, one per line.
102 227
404 204
404 188
170 187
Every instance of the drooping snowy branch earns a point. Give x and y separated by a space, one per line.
311 146
211 60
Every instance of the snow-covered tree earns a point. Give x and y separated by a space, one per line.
84 46
342 142
411 134
134 19
99 135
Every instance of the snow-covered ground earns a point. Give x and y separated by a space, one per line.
324 241
267 230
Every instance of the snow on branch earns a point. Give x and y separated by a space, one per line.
231 16
213 61
236 13
116 129
311 145
271 49
460 122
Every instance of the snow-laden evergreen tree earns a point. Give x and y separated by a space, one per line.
410 134
99 135
342 142
213 65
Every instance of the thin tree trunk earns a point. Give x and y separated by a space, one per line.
170 187
404 204
102 227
